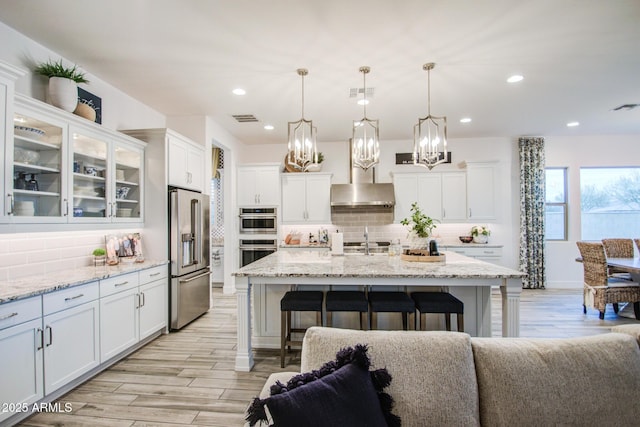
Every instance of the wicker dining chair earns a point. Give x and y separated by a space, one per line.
599 289
618 248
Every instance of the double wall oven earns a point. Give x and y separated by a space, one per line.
258 233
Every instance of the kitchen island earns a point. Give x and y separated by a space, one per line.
313 268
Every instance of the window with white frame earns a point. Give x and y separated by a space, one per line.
555 212
609 202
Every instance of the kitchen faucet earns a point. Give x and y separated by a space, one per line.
366 240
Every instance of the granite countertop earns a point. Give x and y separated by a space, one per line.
29 286
323 264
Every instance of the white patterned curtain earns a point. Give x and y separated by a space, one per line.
532 211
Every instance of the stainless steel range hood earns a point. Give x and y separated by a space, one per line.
356 195
363 190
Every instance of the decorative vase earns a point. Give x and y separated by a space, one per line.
62 93
480 238
84 110
99 260
314 168
417 242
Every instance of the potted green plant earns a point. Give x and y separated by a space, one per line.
421 226
99 256
480 233
63 83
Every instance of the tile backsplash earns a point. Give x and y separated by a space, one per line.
26 254
379 221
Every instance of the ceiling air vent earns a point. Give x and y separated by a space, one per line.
355 92
245 118
626 107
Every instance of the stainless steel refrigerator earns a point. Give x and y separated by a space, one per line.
189 253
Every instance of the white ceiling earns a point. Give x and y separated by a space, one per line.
580 59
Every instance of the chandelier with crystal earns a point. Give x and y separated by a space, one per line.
430 133
302 150
365 141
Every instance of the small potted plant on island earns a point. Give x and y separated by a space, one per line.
63 84
421 227
99 257
480 233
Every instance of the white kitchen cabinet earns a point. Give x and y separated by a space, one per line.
22 368
186 162
106 182
63 169
258 185
8 75
454 196
481 191
485 253
71 344
133 306
306 198
153 299
439 195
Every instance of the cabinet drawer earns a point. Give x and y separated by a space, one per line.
152 274
118 284
13 313
479 252
67 298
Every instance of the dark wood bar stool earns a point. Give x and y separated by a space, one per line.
297 301
347 301
390 302
438 302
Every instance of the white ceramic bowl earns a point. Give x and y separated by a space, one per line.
28 132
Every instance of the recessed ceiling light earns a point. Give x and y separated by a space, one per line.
268 127
465 120
239 91
573 124
515 78
363 102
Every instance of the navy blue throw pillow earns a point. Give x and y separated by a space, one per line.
341 393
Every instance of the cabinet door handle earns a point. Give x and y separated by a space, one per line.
9 316
444 213
137 302
50 335
66 207
142 299
40 338
121 284
72 298
470 215
10 211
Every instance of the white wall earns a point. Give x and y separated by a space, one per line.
119 110
573 153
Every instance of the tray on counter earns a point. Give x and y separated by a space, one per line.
420 255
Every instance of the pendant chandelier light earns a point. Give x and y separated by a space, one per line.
366 147
302 150
430 133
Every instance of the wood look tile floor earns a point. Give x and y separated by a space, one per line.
187 377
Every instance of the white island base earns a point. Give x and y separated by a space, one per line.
268 278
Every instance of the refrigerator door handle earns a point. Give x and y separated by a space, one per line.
208 273
196 231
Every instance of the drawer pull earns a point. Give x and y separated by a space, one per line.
72 298
121 284
9 316
154 274
488 252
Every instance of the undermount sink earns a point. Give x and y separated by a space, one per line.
359 247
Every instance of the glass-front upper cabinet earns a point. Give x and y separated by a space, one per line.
90 177
129 160
38 168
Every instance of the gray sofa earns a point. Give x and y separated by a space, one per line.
452 379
